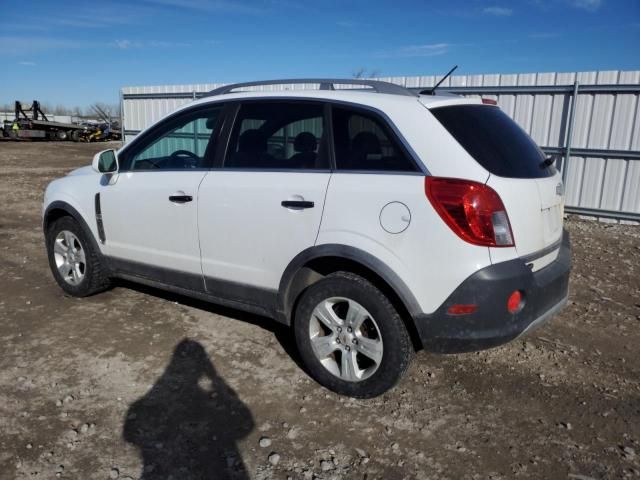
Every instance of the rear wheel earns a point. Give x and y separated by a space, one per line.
75 136
350 337
75 264
61 135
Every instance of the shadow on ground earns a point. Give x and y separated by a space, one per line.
188 425
282 333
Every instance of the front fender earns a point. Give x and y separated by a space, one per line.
77 215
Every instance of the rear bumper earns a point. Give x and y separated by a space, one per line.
545 292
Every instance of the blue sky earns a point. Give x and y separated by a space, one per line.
79 52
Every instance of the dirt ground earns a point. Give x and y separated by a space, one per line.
137 383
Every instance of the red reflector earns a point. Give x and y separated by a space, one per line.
514 302
461 309
489 101
472 210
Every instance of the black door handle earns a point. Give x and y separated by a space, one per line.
180 198
297 204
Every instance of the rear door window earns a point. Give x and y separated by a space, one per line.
494 140
278 136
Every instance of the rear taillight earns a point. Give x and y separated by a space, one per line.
472 210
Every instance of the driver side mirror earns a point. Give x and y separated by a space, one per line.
105 161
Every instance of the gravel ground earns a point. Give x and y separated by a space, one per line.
136 383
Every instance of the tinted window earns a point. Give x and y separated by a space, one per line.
278 135
494 140
183 142
364 142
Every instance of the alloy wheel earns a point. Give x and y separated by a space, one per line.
345 339
69 257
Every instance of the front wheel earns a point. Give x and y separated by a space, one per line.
350 337
75 264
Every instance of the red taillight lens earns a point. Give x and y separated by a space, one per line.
462 309
472 210
514 301
489 101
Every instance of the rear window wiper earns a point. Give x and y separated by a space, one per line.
548 161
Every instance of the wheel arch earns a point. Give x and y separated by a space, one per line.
315 263
58 209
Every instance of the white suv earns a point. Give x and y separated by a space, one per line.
374 221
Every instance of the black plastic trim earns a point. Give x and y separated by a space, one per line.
297 204
249 295
232 294
544 292
60 205
162 275
230 114
99 223
207 297
180 198
295 277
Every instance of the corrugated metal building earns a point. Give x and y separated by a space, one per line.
591 118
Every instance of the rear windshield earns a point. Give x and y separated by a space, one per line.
494 140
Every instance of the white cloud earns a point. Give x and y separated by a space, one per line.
123 44
498 11
95 17
19 45
428 50
589 5
27 63
210 6
100 18
128 44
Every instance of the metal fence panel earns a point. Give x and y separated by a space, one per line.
602 168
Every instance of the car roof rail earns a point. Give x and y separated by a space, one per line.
377 86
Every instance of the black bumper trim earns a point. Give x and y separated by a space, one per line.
545 292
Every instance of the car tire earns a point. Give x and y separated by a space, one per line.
368 348
74 261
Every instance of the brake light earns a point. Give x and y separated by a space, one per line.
473 210
489 101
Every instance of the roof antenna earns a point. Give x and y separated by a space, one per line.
432 91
